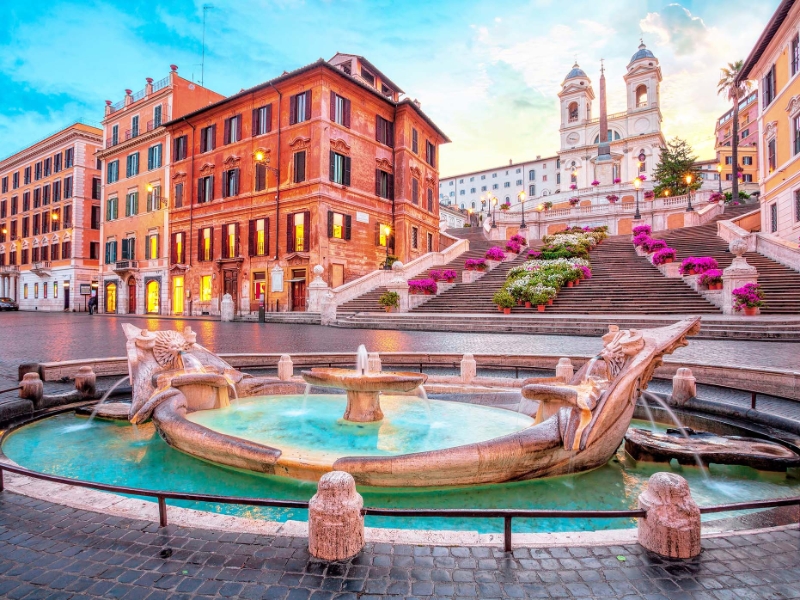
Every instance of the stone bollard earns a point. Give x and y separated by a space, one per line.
469 368
565 370
335 522
32 388
672 526
226 309
684 386
86 381
285 368
374 364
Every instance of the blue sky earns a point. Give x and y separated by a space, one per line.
486 72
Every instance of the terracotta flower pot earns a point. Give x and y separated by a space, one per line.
570 284
506 311
499 308
540 307
669 260
549 303
719 286
692 272
750 311
527 305
428 292
451 280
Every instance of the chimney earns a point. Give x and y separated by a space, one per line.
128 97
148 87
510 162
108 107
417 103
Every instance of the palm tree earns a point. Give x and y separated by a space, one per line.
735 91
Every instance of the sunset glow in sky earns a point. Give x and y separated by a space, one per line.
486 72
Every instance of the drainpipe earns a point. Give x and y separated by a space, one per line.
191 196
278 177
394 140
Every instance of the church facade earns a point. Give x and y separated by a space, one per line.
633 136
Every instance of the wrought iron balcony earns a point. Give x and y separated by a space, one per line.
41 267
126 265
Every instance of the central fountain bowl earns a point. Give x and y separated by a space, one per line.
363 389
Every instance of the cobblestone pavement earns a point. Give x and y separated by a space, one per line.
49 551
39 337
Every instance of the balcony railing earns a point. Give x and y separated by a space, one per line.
161 84
9 269
126 265
42 265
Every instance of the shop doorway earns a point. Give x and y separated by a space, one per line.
178 295
153 292
230 286
298 289
131 296
111 297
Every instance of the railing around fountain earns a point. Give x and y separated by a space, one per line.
506 514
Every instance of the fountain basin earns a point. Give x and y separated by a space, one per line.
363 389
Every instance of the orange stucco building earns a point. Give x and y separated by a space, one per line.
324 165
136 161
50 220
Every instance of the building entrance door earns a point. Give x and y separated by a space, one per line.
153 292
177 295
66 295
111 298
229 286
298 290
131 296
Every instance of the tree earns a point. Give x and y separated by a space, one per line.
735 91
675 162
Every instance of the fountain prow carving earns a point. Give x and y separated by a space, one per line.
579 424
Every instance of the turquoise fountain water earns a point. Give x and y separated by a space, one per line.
315 430
110 452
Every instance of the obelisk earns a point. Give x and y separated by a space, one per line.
604 165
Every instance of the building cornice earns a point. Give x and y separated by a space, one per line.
129 144
30 153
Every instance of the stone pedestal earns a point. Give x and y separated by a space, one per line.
363 407
737 275
32 388
226 309
335 523
85 382
285 368
684 386
470 276
317 291
328 309
469 368
374 364
672 526
565 370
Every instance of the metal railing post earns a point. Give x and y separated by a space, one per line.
1 480
162 511
753 400
507 534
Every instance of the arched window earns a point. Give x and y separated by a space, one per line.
642 158
111 297
573 175
153 290
612 135
641 95
573 112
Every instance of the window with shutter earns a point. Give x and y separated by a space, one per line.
258 237
414 141
415 191
261 177
339 168
430 200
178 196
299 166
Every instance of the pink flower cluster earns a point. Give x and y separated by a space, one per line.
663 256
694 265
574 186
513 246
595 182
475 264
574 201
639 229
649 194
617 180
750 295
710 277
534 254
612 198
640 239
587 272
422 286
650 245
495 253
519 239
716 197
438 275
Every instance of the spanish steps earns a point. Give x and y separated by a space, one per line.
781 284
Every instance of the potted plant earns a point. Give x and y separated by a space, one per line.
475 264
449 275
612 198
716 197
389 301
573 186
422 286
505 206
574 201
495 253
513 246
617 180
664 256
640 229
504 301
650 245
436 275
688 266
595 183
540 295
712 279
705 263
522 241
748 299
548 205
642 177
649 195
640 239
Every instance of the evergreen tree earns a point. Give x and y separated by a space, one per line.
675 162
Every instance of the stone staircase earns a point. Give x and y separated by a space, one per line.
478 245
781 284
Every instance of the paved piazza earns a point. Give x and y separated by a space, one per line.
49 551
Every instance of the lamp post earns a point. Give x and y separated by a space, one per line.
494 210
719 171
469 211
637 183
386 231
689 207
521 197
483 204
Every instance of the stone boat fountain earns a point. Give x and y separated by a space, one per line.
577 424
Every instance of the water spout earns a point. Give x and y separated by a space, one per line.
191 364
362 360
104 398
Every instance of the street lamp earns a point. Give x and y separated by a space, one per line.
689 207
521 197
469 211
386 231
719 171
637 184
494 210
